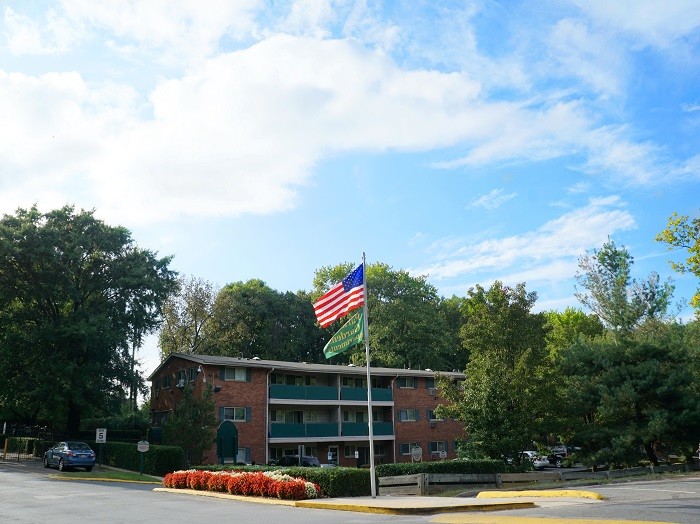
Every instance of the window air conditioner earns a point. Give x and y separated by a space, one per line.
433 392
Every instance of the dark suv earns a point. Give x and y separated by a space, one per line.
560 454
293 460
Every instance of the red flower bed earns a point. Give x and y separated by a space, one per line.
243 483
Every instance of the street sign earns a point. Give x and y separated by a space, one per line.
417 454
101 435
142 446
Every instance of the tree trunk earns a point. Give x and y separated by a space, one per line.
73 419
651 454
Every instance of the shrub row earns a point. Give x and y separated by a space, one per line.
158 460
447 466
249 483
334 482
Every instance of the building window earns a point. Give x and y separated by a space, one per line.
167 381
350 451
311 380
430 383
239 374
235 414
432 415
310 416
438 446
408 415
352 382
406 447
406 382
192 372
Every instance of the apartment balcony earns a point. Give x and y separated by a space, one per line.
378 394
316 429
281 391
284 392
361 429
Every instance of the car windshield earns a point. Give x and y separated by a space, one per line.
80 446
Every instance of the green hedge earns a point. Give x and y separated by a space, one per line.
158 460
334 482
445 466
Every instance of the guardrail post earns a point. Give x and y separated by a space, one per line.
498 480
422 484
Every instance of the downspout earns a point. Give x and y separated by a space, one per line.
267 417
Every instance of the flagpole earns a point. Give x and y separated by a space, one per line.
373 482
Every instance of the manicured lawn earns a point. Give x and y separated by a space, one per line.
105 473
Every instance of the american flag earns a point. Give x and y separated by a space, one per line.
342 298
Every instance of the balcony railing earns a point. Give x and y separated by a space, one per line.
315 429
303 392
282 391
378 394
361 429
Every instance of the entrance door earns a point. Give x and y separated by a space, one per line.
227 442
333 455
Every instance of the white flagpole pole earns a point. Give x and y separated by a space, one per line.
373 482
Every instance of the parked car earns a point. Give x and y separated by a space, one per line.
70 454
561 455
538 461
293 460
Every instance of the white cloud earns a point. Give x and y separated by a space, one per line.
492 200
650 21
552 245
26 36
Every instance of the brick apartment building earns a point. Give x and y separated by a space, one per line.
278 406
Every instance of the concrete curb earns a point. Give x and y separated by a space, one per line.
380 505
549 493
408 509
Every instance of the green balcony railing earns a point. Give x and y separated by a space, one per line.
361 429
315 429
303 392
378 394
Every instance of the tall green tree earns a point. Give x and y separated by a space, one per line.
74 294
609 291
565 327
186 315
251 319
192 424
503 399
632 388
640 394
683 232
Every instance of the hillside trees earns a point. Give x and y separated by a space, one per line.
408 326
633 387
74 294
504 397
250 319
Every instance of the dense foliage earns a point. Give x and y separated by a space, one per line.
76 296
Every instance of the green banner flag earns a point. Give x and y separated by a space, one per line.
351 334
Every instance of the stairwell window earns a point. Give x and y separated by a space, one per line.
235 414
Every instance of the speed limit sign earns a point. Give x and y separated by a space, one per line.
101 435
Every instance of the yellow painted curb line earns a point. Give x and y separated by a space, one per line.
502 519
574 493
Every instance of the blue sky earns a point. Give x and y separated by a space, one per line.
466 141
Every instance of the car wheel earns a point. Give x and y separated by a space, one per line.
559 463
88 468
61 465
46 462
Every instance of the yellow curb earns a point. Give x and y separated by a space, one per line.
99 479
415 510
502 519
217 495
573 493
